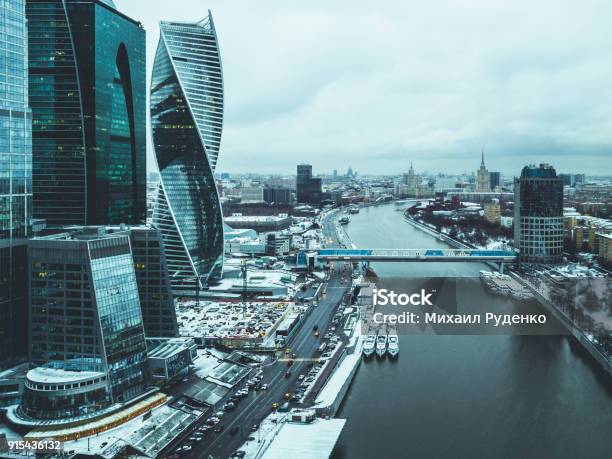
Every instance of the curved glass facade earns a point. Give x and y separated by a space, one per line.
59 174
186 124
87 73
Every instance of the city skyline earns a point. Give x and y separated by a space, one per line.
334 95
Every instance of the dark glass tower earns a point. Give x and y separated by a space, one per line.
538 215
85 309
15 181
87 74
186 124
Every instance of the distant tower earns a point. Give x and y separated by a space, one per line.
538 215
411 180
350 173
483 178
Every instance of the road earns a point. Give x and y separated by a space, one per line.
254 408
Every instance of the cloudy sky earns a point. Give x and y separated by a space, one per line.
376 85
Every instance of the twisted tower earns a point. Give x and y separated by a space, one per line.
186 125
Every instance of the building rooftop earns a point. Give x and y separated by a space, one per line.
55 375
316 439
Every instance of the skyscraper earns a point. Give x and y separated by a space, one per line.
85 311
88 98
15 181
494 180
186 124
483 179
308 188
538 215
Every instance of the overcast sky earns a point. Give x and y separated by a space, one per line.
376 85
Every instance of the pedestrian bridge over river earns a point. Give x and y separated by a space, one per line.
419 255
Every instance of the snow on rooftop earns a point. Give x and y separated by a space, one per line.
303 441
54 375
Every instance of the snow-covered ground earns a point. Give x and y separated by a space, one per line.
225 319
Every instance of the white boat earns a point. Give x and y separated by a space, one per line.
393 345
369 343
381 345
344 220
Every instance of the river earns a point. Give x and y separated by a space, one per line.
450 396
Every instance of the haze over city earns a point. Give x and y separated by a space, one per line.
429 82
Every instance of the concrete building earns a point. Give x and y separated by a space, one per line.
492 212
277 195
252 194
260 224
605 248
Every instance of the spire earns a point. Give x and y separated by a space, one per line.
482 160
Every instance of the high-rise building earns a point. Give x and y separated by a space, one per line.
85 311
308 188
483 179
494 180
277 195
538 215
88 99
152 278
186 124
302 181
15 181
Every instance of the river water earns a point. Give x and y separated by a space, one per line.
449 396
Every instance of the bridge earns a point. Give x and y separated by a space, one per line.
418 255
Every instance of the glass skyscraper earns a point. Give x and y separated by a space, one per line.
85 311
186 123
15 181
88 89
538 215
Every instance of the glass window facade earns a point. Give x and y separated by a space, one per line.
186 123
88 69
538 207
85 309
15 181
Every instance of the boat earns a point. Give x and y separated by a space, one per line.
381 345
353 209
393 345
344 220
369 343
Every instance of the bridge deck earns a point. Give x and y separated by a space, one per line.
434 255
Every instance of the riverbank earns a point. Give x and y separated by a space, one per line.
487 396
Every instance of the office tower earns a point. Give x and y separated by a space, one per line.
277 195
538 215
186 124
152 278
483 179
302 182
88 96
494 180
15 182
308 188
85 312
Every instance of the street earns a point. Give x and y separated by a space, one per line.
258 404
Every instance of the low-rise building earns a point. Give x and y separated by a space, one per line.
492 212
605 247
259 223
